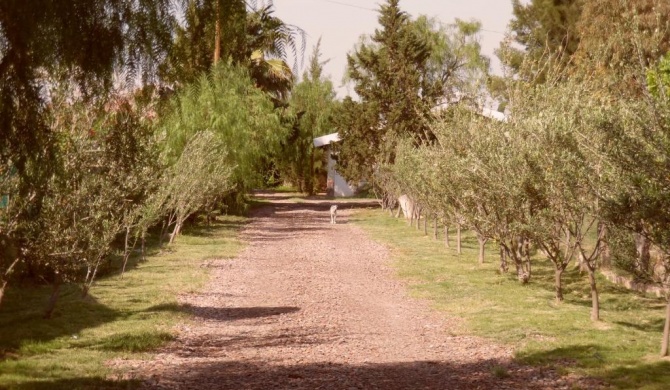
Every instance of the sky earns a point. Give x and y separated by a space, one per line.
340 23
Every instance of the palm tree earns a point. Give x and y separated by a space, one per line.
270 41
242 32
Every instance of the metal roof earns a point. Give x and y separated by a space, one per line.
326 139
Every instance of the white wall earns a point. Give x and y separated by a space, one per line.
340 186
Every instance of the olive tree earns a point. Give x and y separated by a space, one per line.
226 103
104 161
197 179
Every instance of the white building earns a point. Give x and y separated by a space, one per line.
336 184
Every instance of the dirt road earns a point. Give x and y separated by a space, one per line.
310 305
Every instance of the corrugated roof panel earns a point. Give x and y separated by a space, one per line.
326 139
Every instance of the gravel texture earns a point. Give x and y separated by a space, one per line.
310 305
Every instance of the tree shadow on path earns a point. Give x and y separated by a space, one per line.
226 313
252 375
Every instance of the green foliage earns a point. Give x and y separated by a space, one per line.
226 103
620 349
200 177
573 158
500 372
401 73
107 170
658 79
622 246
456 64
124 317
544 28
138 342
620 38
271 40
192 52
87 39
313 102
638 138
47 48
237 32
362 145
389 75
544 35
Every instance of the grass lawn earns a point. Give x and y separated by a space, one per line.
122 318
622 348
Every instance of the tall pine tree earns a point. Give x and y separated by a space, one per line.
389 76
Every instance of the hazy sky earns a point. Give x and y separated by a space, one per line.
340 23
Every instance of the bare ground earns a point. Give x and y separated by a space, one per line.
310 305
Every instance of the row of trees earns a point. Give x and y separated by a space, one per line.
122 119
578 168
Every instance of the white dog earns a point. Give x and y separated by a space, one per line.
333 214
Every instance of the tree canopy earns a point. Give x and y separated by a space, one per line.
401 73
85 41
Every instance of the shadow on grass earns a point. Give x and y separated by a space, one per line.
576 289
655 326
79 384
214 228
226 313
21 317
637 374
629 374
589 355
129 342
21 313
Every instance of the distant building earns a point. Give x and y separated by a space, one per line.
336 184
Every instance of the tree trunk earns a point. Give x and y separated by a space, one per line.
51 305
144 245
558 285
446 236
425 225
126 255
5 278
503 260
595 304
175 232
458 239
411 218
526 257
2 290
89 283
482 246
311 169
666 330
642 245
125 243
160 238
88 275
605 254
418 220
217 34
435 228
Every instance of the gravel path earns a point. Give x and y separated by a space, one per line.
310 305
